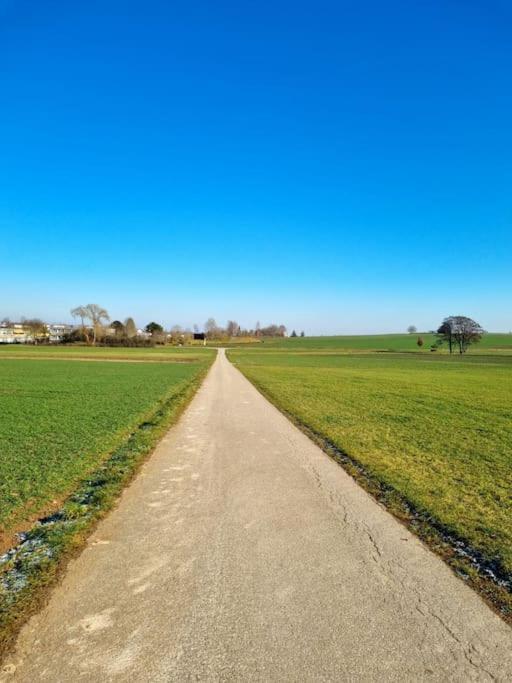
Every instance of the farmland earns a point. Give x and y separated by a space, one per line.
434 428
159 354
491 343
61 418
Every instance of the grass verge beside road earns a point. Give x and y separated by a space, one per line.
72 437
431 437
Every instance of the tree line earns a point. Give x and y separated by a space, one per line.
232 330
96 326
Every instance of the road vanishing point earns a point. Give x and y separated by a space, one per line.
242 552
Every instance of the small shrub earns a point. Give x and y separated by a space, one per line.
130 342
73 337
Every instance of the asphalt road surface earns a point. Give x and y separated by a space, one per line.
243 553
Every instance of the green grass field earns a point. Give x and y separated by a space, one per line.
61 418
435 428
491 343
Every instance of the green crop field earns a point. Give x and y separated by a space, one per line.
435 428
172 354
61 418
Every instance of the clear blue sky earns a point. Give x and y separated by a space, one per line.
339 166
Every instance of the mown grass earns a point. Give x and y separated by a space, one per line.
80 429
436 429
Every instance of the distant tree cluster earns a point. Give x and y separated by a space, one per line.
216 332
459 332
95 327
95 316
212 330
456 331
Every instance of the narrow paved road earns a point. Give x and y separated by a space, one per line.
242 552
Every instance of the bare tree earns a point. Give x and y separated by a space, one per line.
176 335
212 329
272 330
80 312
186 334
36 328
466 332
232 328
210 325
461 331
96 314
